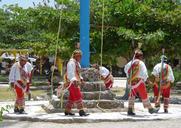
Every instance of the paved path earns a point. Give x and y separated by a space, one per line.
123 124
36 113
119 82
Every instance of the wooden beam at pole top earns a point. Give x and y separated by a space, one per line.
84 32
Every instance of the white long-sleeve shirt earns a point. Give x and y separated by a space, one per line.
104 72
72 74
157 69
29 67
16 74
143 74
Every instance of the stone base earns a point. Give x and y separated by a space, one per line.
50 109
93 86
95 95
105 104
90 74
108 95
178 86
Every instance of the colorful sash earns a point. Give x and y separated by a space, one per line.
164 75
165 83
133 72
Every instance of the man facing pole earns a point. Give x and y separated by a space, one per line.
167 79
137 75
18 78
73 81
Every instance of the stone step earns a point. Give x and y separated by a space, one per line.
108 95
50 109
92 86
105 104
90 74
95 95
178 85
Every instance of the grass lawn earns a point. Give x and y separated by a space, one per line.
7 94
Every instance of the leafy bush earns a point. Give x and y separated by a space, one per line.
3 78
177 75
3 109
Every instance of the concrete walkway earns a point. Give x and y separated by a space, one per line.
36 113
119 82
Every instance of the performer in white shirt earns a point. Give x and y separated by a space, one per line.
73 81
29 70
106 76
18 78
167 81
137 75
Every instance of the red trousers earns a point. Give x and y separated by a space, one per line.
75 97
108 81
20 100
139 89
109 84
27 90
164 92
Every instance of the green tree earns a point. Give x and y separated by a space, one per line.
154 23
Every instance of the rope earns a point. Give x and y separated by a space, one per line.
56 48
102 42
102 31
130 76
129 89
63 91
162 64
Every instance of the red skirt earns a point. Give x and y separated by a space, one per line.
74 93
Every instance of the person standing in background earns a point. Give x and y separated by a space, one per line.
29 70
167 80
18 79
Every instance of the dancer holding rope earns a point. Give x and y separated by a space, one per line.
137 75
73 81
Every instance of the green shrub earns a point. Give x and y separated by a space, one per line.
177 75
3 78
4 109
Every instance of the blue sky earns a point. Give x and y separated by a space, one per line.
23 3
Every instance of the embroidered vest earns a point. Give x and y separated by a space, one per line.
23 74
164 74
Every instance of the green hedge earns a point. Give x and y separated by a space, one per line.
177 75
4 78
